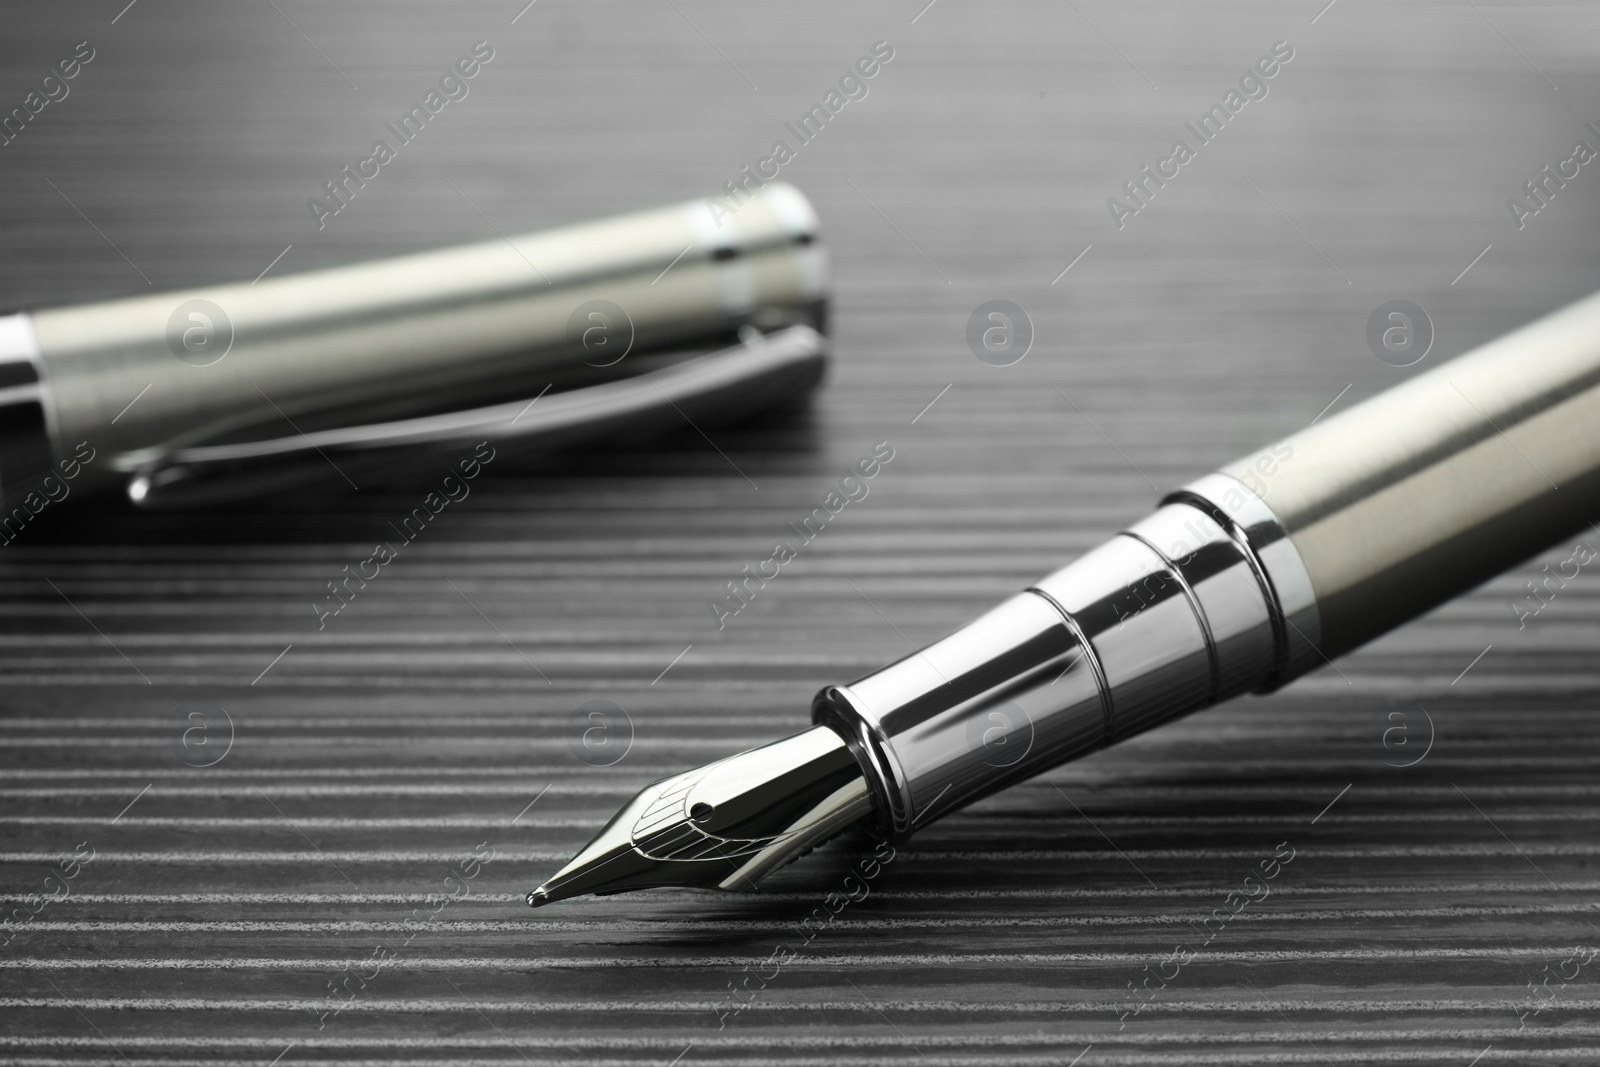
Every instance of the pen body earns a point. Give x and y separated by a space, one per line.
1249 577
411 332
1440 483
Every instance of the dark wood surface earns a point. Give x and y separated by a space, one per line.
376 754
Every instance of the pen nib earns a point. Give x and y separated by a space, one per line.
723 826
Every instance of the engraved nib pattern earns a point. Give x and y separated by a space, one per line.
723 826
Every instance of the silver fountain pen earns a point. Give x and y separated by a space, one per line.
1240 581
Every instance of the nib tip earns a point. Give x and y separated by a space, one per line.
538 897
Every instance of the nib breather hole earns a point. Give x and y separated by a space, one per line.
702 812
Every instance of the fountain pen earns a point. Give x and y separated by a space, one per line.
1240 581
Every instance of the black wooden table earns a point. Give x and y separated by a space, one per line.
422 755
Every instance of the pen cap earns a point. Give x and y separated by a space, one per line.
26 454
409 333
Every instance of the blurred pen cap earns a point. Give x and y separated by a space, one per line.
149 378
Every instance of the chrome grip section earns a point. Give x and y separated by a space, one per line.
1141 625
997 701
1192 605
1285 583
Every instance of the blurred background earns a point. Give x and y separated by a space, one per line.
266 902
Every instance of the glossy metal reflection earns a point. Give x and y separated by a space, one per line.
1375 515
724 826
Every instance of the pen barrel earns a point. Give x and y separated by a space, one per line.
1438 484
392 336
